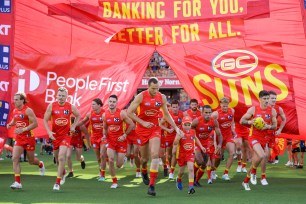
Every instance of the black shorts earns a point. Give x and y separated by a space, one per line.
303 149
296 150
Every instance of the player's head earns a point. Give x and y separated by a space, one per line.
272 98
175 106
194 104
112 101
224 103
153 86
62 94
96 104
206 112
264 98
20 99
186 122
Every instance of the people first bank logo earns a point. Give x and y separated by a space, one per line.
4 57
30 82
5 6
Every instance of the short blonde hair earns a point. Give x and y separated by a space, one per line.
224 100
62 89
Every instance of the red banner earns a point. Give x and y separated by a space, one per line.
216 48
6 59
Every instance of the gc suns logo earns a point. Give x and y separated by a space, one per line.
233 63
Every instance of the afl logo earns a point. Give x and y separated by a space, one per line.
20 124
151 112
97 126
233 63
61 121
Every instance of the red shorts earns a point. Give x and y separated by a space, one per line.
183 159
132 139
76 142
253 141
61 141
145 134
270 139
226 140
242 136
97 142
28 143
119 147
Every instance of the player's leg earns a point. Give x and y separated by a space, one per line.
17 151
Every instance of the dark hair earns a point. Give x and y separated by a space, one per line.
207 106
153 80
272 93
98 101
22 96
263 93
194 101
113 96
174 102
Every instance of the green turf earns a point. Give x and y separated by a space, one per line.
286 185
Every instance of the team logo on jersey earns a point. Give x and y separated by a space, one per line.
151 112
157 104
20 124
61 121
230 117
201 128
222 118
226 124
179 120
209 128
114 128
267 116
192 137
109 120
147 104
66 112
203 135
188 146
101 119
97 126
116 120
94 119
21 116
57 112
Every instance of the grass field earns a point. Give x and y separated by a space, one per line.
286 185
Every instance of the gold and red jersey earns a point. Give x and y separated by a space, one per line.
225 120
96 123
204 131
187 144
192 114
61 119
149 108
22 121
114 124
266 115
177 118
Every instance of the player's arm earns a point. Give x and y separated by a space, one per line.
77 115
245 119
47 117
195 123
199 144
167 115
177 139
105 128
10 124
85 120
162 123
220 137
85 131
233 127
128 121
284 120
132 109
